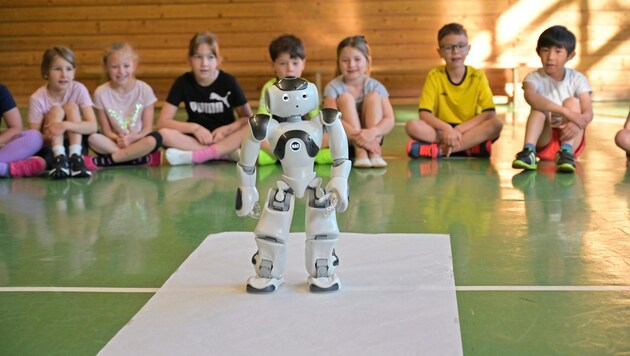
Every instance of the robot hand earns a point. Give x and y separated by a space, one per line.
247 202
338 186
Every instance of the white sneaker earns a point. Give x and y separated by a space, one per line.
362 163
378 162
177 157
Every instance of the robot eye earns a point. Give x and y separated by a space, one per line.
304 96
285 97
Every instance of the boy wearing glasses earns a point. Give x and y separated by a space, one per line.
457 115
560 100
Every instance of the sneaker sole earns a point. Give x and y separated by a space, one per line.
565 168
64 174
523 165
81 174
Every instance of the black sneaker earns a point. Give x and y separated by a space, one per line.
60 168
526 159
78 168
565 161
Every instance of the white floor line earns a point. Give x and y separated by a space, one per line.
78 290
542 288
349 289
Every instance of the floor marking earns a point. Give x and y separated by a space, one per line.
407 276
78 290
542 288
348 289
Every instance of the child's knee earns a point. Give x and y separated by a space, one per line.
34 135
72 112
497 126
157 137
345 98
536 115
94 138
168 136
56 114
414 128
622 139
372 97
411 125
572 103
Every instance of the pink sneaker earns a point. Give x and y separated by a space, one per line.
155 159
89 163
32 166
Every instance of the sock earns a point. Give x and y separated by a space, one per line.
74 150
103 161
566 147
140 161
177 157
59 150
529 146
206 154
4 169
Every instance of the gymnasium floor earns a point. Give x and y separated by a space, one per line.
541 260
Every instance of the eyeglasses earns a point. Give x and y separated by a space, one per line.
450 48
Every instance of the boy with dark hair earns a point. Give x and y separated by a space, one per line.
456 110
560 100
288 59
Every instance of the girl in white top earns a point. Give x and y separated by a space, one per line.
366 113
124 108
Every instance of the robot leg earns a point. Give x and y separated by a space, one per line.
322 234
271 233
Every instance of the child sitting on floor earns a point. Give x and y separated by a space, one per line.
457 113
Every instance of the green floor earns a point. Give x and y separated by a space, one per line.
541 260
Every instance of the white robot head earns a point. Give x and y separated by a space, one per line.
291 97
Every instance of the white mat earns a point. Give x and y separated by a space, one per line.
397 298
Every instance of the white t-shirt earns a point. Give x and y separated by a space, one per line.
573 84
124 111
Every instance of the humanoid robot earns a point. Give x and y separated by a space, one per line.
295 142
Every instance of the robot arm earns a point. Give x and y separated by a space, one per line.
338 142
247 194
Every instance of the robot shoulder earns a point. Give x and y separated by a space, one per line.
329 116
259 124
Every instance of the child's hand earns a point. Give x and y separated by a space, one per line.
54 129
203 135
452 138
365 137
125 140
220 133
575 117
568 131
362 139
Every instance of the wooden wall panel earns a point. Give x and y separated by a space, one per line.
402 35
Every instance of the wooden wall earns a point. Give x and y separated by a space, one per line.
402 35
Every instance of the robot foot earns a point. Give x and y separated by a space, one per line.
324 284
259 285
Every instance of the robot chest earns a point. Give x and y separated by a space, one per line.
295 143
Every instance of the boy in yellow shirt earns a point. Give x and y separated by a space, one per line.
457 114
